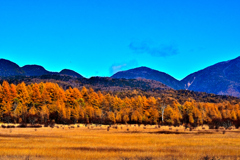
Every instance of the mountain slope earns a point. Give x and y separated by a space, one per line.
8 68
125 88
222 78
148 73
34 70
70 73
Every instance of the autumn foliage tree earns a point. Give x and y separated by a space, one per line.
47 102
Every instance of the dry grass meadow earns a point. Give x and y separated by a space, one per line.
121 142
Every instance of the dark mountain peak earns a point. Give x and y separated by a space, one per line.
71 73
138 70
34 66
144 68
8 63
220 78
35 70
8 68
237 58
148 73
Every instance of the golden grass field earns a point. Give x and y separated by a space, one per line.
125 142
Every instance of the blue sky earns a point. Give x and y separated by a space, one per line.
101 37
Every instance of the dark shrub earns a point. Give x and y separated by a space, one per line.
23 125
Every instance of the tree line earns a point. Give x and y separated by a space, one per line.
48 102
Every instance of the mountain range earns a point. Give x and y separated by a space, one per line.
8 69
222 78
148 73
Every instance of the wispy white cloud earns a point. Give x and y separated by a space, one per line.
159 51
116 67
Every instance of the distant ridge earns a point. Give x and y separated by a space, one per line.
148 73
70 73
8 68
34 70
222 78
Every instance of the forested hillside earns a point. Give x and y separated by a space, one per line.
148 73
124 87
221 78
48 102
